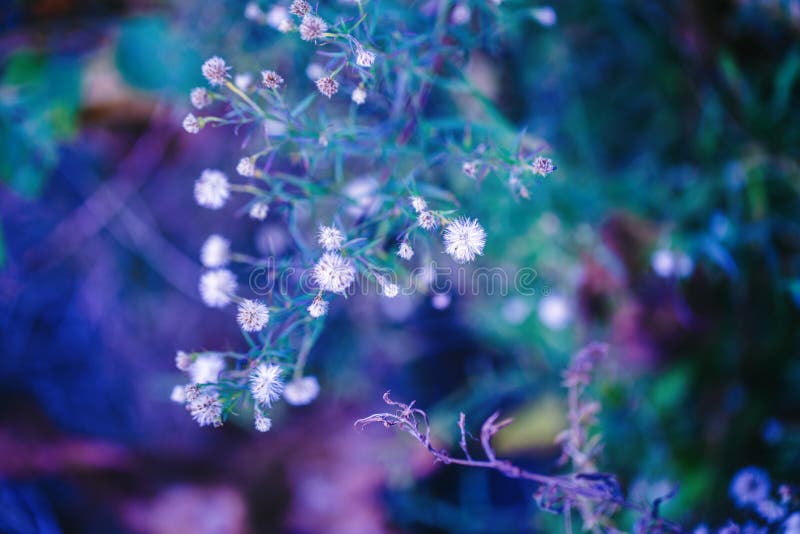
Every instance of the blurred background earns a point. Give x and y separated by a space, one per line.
671 230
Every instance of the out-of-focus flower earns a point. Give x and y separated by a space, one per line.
266 383
334 273
554 312
206 369
216 251
418 203
190 124
792 524
300 8
243 81
182 360
246 167
200 97
330 238
301 391
215 71
312 28
271 79
327 86
545 15
278 18
254 13
750 486
441 301
464 239
178 395
217 288
259 210
359 95
770 510
461 14
390 289
212 189
667 263
252 315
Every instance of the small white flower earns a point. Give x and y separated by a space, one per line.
191 392
182 361
243 81
271 79
318 307
285 26
301 391
246 167
359 95
212 189
254 13
427 220
315 71
206 369
300 8
418 203
470 168
206 409
327 86
334 273
178 395
252 316
216 251
190 124
262 422
545 15
461 14
199 97
330 237
215 70
266 384
405 251
542 166
259 210
364 58
464 239
312 28
390 289
217 287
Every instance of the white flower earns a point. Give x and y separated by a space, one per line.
364 58
327 86
418 203
190 124
266 384
470 168
390 289
216 251
206 409
217 287
252 316
461 14
330 237
262 422
215 70
300 8
212 190
334 273
246 167
243 81
206 369
312 28
359 95
301 391
271 79
427 220
285 26
182 360
545 15
199 97
543 166
464 239
259 210
318 307
178 395
554 312
254 13
405 251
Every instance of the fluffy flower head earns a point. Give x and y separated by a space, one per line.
216 251
212 189
427 220
750 486
259 210
215 70
199 97
206 369
464 239
330 238
217 287
271 79
266 383
206 409
405 251
327 86
334 273
359 95
418 203
543 166
246 167
190 124
262 422
300 8
318 307
312 28
252 316
364 58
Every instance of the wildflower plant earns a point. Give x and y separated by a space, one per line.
352 162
